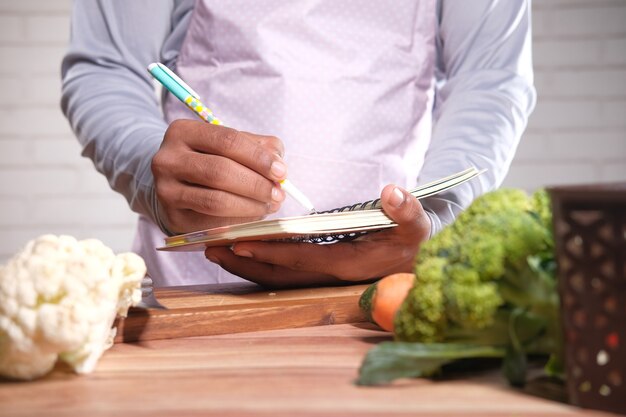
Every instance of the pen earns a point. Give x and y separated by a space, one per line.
175 85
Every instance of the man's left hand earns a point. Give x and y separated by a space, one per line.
280 264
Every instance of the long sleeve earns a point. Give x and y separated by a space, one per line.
483 98
107 94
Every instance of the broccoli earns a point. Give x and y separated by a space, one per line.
488 280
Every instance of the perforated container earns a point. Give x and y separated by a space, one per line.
590 238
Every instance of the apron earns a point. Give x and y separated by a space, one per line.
347 87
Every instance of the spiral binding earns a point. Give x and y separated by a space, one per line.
367 205
327 238
341 237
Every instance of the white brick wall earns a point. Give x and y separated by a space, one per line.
578 130
577 133
45 185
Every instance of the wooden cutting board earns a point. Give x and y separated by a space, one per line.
203 310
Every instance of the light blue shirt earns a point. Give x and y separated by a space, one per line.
483 97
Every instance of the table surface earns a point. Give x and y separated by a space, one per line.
292 372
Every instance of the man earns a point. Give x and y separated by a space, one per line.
350 98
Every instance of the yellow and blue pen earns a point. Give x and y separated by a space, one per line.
175 85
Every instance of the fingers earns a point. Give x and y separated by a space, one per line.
348 261
298 256
261 154
203 169
270 142
406 210
185 221
185 207
267 275
218 203
219 173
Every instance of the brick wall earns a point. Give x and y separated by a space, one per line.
45 185
577 133
578 130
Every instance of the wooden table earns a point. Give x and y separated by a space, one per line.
291 372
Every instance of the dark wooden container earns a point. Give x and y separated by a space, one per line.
590 238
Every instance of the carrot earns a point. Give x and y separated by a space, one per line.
390 293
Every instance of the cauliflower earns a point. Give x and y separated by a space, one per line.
58 300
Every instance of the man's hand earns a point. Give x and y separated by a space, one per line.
207 176
277 264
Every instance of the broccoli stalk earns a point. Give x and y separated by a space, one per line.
485 286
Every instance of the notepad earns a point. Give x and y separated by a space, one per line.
340 224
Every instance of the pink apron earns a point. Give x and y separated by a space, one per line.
347 86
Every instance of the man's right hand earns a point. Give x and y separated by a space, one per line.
207 176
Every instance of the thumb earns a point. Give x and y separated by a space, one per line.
406 210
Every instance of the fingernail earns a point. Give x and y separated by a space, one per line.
278 169
244 253
396 198
277 194
213 259
273 207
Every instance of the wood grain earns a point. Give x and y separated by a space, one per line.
291 372
219 309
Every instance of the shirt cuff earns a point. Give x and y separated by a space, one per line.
442 211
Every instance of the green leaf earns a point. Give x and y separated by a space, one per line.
555 367
393 360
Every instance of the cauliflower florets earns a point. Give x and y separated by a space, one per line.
58 299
